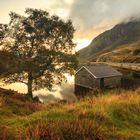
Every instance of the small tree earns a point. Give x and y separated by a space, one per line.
42 47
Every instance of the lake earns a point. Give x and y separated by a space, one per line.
130 79
65 91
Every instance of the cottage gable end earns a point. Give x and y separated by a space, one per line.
85 79
83 67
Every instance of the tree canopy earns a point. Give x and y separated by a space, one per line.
42 49
3 29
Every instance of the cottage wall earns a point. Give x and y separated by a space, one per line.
85 79
112 82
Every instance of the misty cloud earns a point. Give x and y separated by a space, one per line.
63 92
90 17
88 14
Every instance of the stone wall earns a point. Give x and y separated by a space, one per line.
85 79
112 82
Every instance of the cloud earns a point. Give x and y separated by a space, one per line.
61 8
89 14
90 17
81 43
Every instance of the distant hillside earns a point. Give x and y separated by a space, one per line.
120 44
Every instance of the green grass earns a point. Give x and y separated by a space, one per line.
123 53
110 115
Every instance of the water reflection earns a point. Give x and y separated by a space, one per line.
63 92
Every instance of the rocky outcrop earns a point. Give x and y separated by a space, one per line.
121 34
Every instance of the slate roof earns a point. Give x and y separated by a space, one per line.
101 70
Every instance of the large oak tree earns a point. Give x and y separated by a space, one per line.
43 48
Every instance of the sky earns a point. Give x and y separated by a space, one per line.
90 17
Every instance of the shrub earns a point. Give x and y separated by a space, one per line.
136 51
82 130
21 108
41 132
67 130
5 134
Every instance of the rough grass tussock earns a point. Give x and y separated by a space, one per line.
111 115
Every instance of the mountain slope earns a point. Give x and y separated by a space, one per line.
122 41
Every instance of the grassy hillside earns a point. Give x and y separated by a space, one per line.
122 41
110 115
123 53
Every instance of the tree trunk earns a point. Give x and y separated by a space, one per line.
30 81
